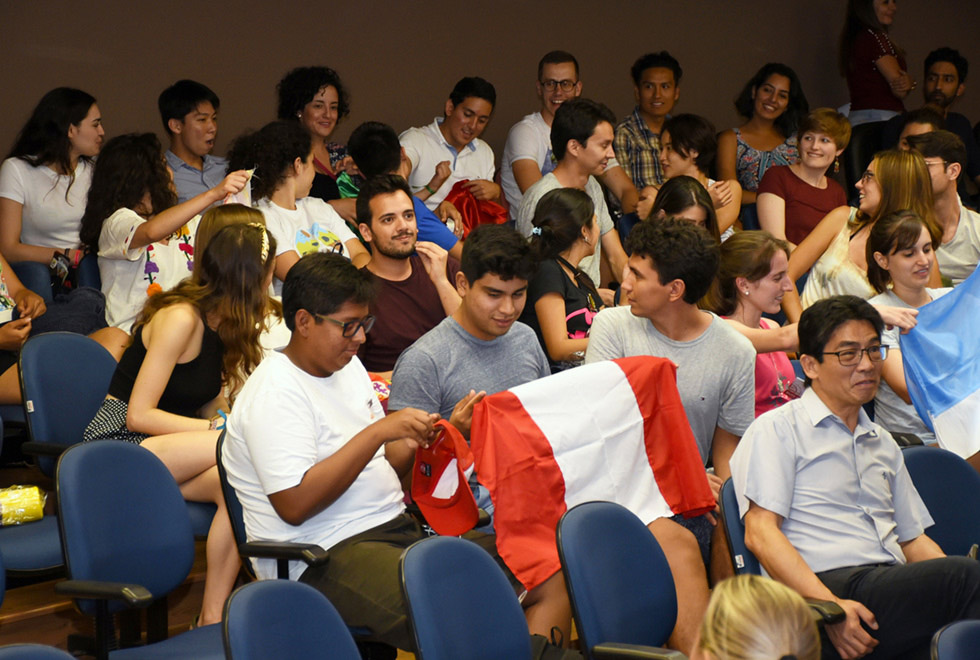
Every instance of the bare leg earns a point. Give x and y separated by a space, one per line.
222 555
690 581
186 454
721 561
10 386
546 606
113 340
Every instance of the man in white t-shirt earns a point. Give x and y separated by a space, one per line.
581 136
189 111
314 459
945 156
450 149
528 154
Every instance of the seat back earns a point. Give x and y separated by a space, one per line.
122 518
957 641
284 619
950 489
452 587
32 652
64 378
618 579
742 558
865 143
234 506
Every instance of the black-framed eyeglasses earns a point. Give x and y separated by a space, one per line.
566 85
350 328
852 356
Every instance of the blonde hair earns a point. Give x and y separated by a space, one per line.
221 216
755 618
905 184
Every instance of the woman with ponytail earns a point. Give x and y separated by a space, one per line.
561 299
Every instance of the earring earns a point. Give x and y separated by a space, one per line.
836 165
746 292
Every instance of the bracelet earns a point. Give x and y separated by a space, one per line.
431 191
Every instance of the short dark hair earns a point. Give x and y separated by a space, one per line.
557 57
181 98
576 119
375 149
821 319
498 250
679 250
473 86
897 231
924 115
383 184
659 60
693 133
797 107
321 283
951 55
940 144
299 86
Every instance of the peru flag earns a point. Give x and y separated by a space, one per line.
613 431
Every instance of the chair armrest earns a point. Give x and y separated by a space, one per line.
133 594
825 611
44 448
615 650
309 553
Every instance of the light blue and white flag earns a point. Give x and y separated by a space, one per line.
942 367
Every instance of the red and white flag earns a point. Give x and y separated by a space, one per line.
613 431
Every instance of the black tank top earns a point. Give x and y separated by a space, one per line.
191 384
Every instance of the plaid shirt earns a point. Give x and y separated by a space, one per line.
638 151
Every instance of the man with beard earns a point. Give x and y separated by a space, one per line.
945 81
414 279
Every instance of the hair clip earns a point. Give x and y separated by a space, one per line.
264 252
536 231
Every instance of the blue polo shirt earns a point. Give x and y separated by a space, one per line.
190 181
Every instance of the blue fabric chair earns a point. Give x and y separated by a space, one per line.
32 652
287 620
64 378
742 558
452 588
128 543
619 583
957 641
950 489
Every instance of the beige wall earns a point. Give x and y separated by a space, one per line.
401 59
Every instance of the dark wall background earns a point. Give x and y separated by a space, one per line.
401 59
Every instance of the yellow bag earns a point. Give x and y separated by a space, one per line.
21 504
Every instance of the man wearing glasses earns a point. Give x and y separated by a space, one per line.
829 507
528 155
656 85
959 250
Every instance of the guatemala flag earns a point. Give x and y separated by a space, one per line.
942 367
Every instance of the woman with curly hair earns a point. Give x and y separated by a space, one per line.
773 104
282 156
189 346
316 97
43 184
144 239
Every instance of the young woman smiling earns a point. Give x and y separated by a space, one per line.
773 104
793 199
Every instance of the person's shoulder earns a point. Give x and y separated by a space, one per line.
415 134
732 337
432 343
616 316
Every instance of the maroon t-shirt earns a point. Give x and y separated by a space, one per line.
404 311
868 88
806 206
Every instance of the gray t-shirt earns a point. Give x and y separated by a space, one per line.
549 182
891 413
715 372
958 258
439 369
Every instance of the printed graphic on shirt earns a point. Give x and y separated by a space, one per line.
317 239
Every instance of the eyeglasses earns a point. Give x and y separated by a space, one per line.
867 176
852 356
566 85
944 164
350 328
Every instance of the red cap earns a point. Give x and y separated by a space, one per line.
439 486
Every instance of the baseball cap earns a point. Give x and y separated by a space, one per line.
439 482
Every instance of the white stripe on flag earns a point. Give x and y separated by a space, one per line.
958 427
617 470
